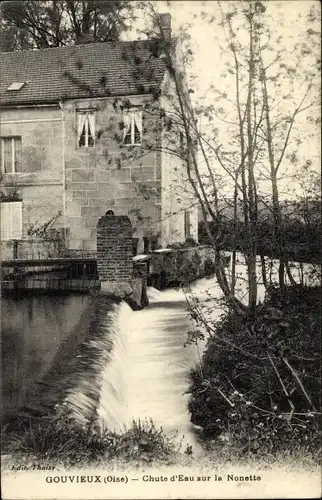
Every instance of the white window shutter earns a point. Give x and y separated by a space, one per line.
5 221
16 220
11 220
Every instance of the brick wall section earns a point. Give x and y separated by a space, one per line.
114 249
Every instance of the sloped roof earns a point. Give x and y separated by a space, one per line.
91 70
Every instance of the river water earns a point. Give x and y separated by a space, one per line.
32 330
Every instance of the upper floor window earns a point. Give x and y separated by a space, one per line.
132 132
85 128
11 156
11 220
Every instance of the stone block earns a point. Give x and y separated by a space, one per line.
83 176
120 175
76 195
93 193
116 288
125 190
76 244
89 245
141 174
80 233
74 162
103 176
102 202
90 222
93 211
73 209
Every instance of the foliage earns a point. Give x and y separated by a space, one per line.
188 243
188 269
258 385
46 232
61 439
12 195
301 234
31 24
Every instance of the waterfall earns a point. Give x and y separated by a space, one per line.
99 390
112 405
139 367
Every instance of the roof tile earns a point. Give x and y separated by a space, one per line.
91 70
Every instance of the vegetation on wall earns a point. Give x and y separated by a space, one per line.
47 232
10 195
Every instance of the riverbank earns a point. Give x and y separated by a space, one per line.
256 392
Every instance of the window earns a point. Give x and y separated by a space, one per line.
85 129
11 220
10 155
132 132
15 86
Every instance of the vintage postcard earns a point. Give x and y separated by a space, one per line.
160 249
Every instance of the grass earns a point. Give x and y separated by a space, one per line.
61 441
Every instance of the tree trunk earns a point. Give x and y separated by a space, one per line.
251 257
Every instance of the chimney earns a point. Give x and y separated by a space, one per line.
165 24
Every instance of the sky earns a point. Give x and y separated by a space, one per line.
209 63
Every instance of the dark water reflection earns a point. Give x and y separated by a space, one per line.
32 330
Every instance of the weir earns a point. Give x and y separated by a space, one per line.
119 364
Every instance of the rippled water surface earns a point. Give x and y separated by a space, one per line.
32 330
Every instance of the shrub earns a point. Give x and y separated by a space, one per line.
259 380
188 270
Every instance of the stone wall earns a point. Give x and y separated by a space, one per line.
111 175
176 266
40 182
179 203
83 183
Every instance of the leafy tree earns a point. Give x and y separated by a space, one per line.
55 23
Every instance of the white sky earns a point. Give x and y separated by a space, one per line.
208 63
